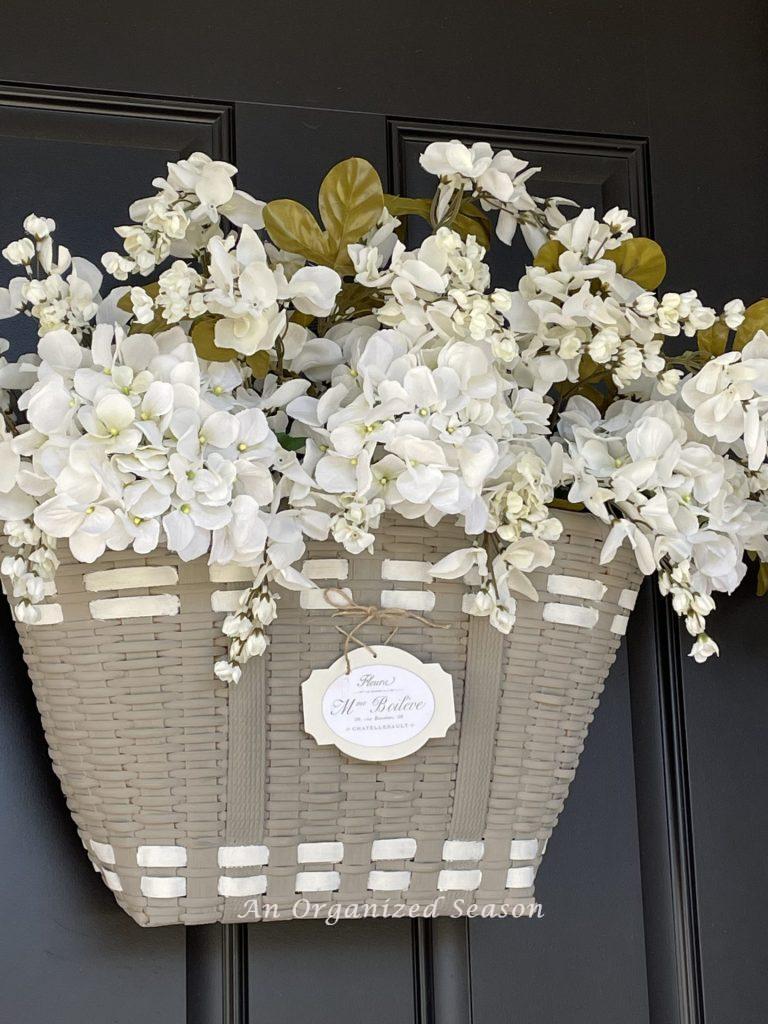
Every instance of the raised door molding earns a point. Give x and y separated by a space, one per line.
605 169
114 119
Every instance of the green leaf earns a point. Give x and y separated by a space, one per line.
713 341
565 505
259 363
470 220
403 206
356 300
290 443
762 579
350 202
548 255
292 227
641 260
203 332
755 319
302 319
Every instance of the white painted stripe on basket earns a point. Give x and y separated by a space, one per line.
457 849
159 888
225 600
104 851
243 856
576 586
571 615
619 624
411 572
393 849
314 599
326 568
523 849
135 607
320 853
161 856
229 574
520 878
317 881
254 885
125 579
388 881
628 599
411 600
461 881
50 615
111 880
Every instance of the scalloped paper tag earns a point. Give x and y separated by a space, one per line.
387 706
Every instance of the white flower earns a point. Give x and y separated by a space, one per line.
244 293
445 159
459 563
39 227
111 422
118 266
227 672
733 314
20 253
622 530
729 398
704 648
313 290
478 602
143 307
78 513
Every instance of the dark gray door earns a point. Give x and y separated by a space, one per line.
654 885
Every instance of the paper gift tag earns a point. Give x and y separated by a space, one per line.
387 706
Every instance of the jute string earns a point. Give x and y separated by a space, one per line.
370 613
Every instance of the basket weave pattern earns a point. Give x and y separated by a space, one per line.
201 803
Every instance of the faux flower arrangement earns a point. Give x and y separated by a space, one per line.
278 379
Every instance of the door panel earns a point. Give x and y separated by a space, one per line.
355 970
654 885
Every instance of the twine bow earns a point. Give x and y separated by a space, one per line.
370 613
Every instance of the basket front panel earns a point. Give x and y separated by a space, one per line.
145 740
317 794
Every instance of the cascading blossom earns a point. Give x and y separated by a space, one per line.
277 382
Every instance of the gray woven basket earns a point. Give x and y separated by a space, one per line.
201 803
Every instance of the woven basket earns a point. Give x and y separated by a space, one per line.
198 802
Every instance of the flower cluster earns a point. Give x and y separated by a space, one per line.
136 442
583 313
236 284
276 382
688 509
30 569
498 180
182 216
248 298
57 290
